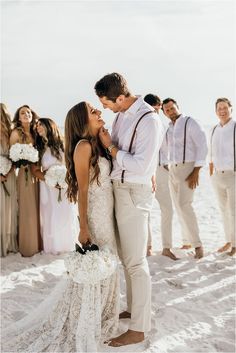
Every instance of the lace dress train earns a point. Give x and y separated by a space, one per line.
76 317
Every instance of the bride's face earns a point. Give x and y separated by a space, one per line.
95 120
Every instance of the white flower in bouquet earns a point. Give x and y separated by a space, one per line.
23 154
5 166
91 267
55 177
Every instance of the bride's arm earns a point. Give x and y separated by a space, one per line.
81 158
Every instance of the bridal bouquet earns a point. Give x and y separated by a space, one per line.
91 267
55 177
5 166
23 154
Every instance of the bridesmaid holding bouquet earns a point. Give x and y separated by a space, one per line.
58 221
27 186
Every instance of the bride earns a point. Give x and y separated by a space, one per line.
78 316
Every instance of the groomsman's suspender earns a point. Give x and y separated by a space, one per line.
185 129
234 147
132 140
212 138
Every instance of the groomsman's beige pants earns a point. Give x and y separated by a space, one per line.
182 197
164 199
133 203
224 185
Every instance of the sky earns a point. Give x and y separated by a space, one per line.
53 52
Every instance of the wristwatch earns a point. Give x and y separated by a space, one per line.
110 147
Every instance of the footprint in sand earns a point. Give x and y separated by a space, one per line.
177 283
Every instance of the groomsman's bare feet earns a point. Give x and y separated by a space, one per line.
232 252
125 315
198 252
224 247
168 253
186 247
149 250
129 337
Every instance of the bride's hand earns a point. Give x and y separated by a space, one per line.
84 237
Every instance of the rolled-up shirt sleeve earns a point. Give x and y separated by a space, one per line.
143 157
199 140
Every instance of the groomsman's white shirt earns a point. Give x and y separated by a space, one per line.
196 144
140 164
163 153
221 146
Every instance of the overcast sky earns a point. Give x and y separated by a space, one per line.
53 52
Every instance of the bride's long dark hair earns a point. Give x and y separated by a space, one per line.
76 129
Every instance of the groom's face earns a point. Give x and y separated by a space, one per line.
107 103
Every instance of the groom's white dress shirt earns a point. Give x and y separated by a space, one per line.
140 164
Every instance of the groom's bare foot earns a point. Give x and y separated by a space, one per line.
129 337
149 250
232 252
125 315
224 247
168 253
198 252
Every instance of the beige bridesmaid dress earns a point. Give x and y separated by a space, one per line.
8 210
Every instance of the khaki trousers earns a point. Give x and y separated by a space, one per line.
224 186
133 203
164 199
182 197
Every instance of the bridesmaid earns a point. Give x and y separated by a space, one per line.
58 220
29 236
8 204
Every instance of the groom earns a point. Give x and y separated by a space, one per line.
134 145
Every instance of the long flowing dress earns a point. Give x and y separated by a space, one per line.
8 210
28 202
69 321
58 220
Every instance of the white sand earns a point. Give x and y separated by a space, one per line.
192 301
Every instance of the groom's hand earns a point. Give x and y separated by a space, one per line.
105 137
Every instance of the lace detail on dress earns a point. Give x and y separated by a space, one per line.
75 317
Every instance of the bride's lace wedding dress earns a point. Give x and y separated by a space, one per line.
72 319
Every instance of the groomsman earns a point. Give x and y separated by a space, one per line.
162 191
134 145
188 149
223 168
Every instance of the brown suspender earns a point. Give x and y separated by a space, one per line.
211 139
185 129
132 140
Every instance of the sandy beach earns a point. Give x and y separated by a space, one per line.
193 301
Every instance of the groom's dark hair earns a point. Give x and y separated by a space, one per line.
112 86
